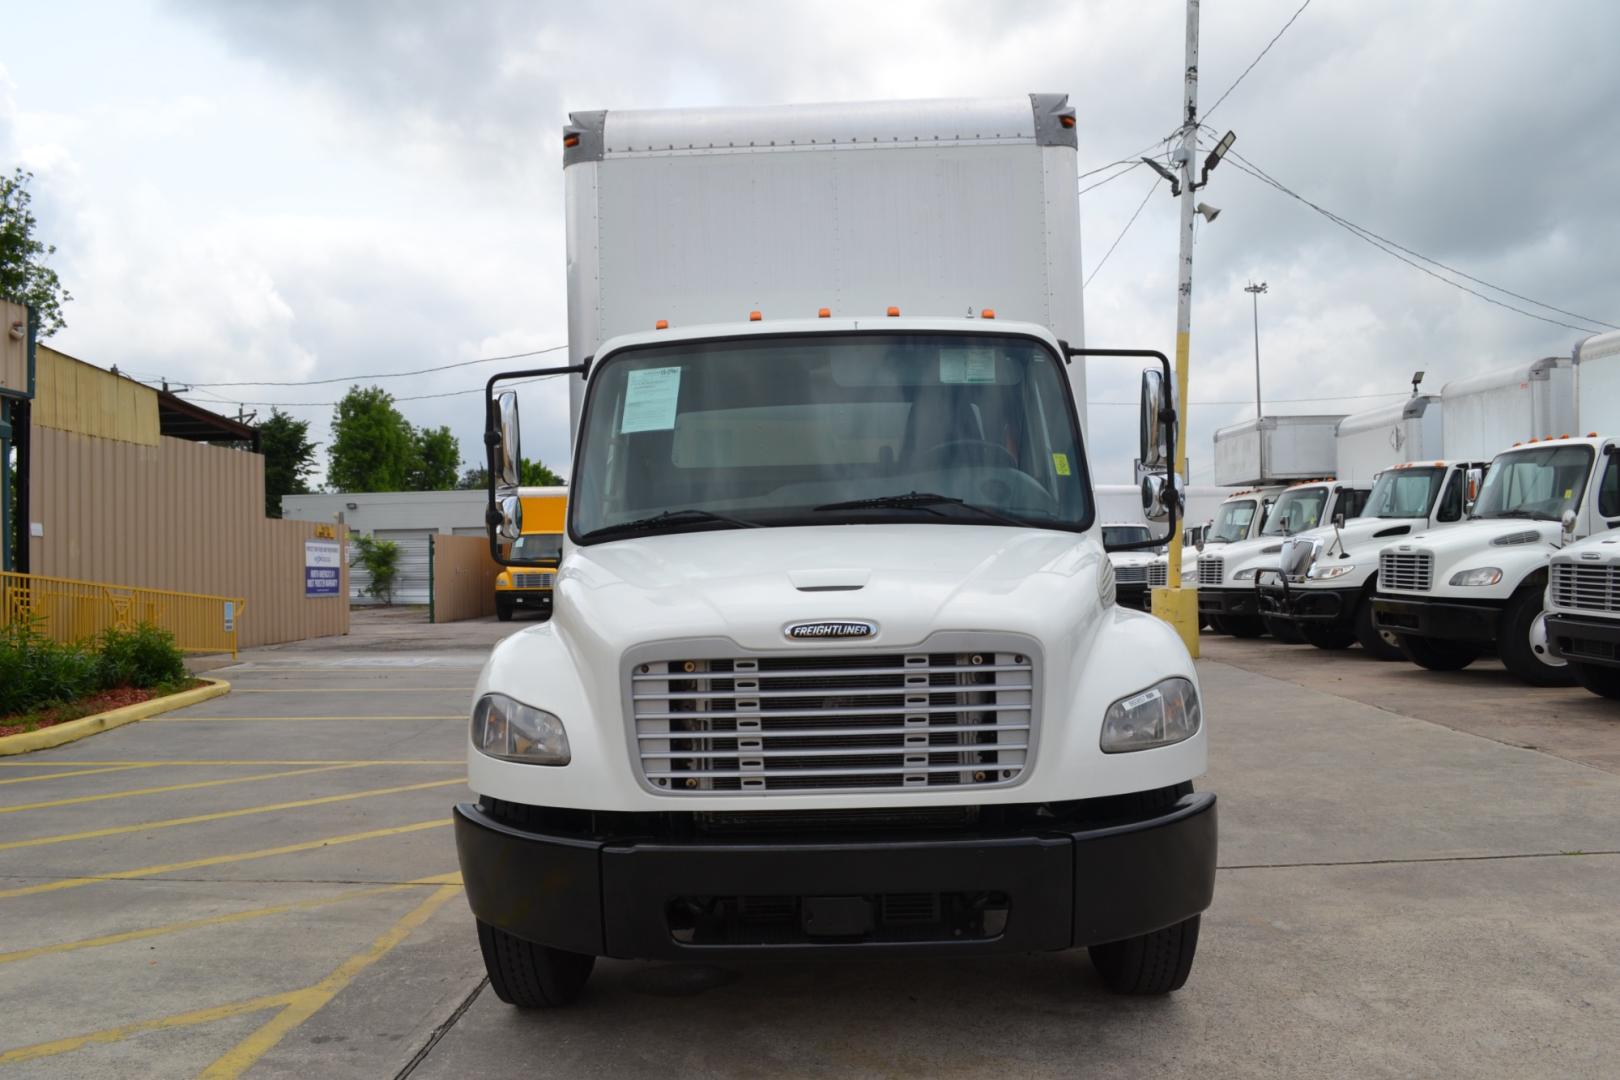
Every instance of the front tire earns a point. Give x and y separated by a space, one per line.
1331 638
1154 963
1602 681
1522 642
1283 630
532 976
1377 643
1437 654
1244 626
503 612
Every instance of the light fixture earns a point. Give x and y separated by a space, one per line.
352 506
1210 213
1417 377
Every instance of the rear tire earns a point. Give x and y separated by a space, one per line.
1377 643
1437 654
532 976
1602 681
1155 963
1244 626
1522 644
1327 637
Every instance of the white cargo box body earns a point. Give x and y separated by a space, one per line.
1485 414
1597 384
1276 449
1370 442
938 208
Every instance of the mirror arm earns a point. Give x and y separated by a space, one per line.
1167 416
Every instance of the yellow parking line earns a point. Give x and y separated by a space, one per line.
220 920
306 1003
104 796
72 772
197 719
117 1034
222 815
244 761
353 690
221 860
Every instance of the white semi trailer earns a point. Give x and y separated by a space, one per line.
1452 595
835 665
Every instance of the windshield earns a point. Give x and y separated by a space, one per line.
1296 511
1404 493
1125 534
538 547
1540 483
1232 521
938 428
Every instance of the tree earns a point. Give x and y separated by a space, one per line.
373 447
289 458
435 459
536 474
24 276
474 479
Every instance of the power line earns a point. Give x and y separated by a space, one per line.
331 404
1257 59
1136 157
390 374
1115 176
1394 250
1269 400
1122 232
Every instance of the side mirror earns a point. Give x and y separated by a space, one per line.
1567 521
1473 480
1157 494
508 470
511 508
1154 449
1338 519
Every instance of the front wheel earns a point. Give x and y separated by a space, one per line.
1284 630
532 976
1437 654
1522 642
1328 637
1155 963
1244 626
503 612
1602 681
1377 642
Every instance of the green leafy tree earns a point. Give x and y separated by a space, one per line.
436 457
473 479
24 276
537 474
373 447
289 458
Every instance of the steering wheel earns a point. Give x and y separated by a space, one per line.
950 450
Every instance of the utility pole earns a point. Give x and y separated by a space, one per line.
1255 290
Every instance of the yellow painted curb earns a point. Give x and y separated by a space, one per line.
73 730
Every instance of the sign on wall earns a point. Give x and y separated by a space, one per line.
323 567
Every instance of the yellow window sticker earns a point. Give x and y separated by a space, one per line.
1569 493
1061 463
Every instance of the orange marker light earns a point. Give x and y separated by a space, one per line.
754 316
988 313
1565 435
824 313
661 324
1591 434
1066 121
893 312
570 141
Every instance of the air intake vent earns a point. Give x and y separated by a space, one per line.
1529 536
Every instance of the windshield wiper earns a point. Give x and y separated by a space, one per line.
919 500
669 517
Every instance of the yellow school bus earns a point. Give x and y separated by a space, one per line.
528 588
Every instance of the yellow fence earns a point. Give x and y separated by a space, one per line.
69 610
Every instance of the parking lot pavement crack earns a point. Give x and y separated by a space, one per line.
1423 859
442 1030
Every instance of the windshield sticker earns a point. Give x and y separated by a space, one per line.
967 366
1061 463
649 400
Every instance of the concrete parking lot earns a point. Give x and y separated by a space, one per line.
1420 876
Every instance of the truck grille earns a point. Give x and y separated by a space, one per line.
533 580
1410 571
1130 575
1159 574
1587 588
1211 569
749 725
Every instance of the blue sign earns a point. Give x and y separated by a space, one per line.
323 563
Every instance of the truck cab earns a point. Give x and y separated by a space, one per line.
528 587
1583 609
1326 576
1451 595
1227 594
1135 572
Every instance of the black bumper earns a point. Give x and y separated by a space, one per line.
1135 595
634 899
1585 641
1321 607
1436 619
525 599
1214 601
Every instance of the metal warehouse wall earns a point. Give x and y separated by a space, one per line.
463 578
176 515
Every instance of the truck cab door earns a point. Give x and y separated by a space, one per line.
1607 504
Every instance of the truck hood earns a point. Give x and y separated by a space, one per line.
1365 534
1603 547
1133 558
748 584
1481 534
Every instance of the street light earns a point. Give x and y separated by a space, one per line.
1255 290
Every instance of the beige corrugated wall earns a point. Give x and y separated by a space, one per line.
178 515
463 578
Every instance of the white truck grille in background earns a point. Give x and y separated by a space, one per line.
1211 569
1409 571
821 723
532 580
1159 574
1587 588
1130 575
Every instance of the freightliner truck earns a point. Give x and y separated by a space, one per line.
835 665
1583 609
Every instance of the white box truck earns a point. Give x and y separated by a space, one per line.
1275 450
1367 443
835 665
1583 609
1483 413
1450 596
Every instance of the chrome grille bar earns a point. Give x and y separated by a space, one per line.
1585 588
1211 569
1405 570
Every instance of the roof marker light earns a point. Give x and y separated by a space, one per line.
894 312
754 316
1591 434
988 313
570 141
824 313
661 324
1066 121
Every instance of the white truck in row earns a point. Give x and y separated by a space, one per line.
836 665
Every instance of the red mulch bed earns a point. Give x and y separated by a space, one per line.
105 701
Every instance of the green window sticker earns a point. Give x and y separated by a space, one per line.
1060 462
649 400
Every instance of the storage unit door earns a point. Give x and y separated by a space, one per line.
411 586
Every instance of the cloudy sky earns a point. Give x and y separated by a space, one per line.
293 191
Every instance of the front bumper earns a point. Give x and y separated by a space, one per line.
1318 606
527 599
1585 641
1450 621
1221 601
1137 595
1054 887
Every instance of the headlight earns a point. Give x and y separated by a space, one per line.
1158 716
1246 575
1480 575
512 731
1336 570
